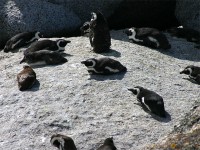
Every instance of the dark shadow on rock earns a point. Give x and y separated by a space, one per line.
112 52
156 117
98 77
35 87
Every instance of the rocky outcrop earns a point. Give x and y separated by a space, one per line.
67 100
188 13
186 135
64 17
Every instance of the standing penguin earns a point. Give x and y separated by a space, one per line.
99 33
62 142
193 72
21 39
26 78
150 100
108 145
104 66
58 45
149 37
43 57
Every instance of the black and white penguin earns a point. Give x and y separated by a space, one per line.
43 57
58 45
21 39
190 35
193 72
150 100
26 78
149 37
108 145
99 33
104 66
62 142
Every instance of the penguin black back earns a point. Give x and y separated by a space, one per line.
150 100
108 145
62 142
21 39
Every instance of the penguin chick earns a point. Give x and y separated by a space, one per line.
99 33
104 66
108 145
26 78
58 45
193 72
62 142
149 37
21 39
150 100
44 57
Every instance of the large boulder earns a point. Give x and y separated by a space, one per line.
188 13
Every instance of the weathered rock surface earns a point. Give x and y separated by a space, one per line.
186 135
69 101
188 13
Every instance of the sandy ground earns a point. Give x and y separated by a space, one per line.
69 101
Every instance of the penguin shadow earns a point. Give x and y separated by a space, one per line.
156 117
112 52
191 80
98 77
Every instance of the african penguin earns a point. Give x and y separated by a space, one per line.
190 35
103 66
193 72
58 45
99 33
62 142
44 57
149 37
21 39
150 100
26 78
108 145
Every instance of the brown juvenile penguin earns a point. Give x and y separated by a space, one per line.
99 33
26 78
62 142
108 145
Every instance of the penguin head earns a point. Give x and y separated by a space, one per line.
90 63
130 32
136 90
62 142
188 70
38 35
97 18
94 16
62 43
85 27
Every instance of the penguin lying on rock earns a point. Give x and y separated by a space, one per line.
20 40
150 100
149 37
104 66
108 145
26 78
58 45
43 57
62 142
193 72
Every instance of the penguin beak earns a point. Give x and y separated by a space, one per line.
133 91
83 62
184 72
127 32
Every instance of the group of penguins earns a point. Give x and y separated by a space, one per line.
51 53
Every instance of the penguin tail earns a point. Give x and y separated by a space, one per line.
23 60
63 60
124 69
